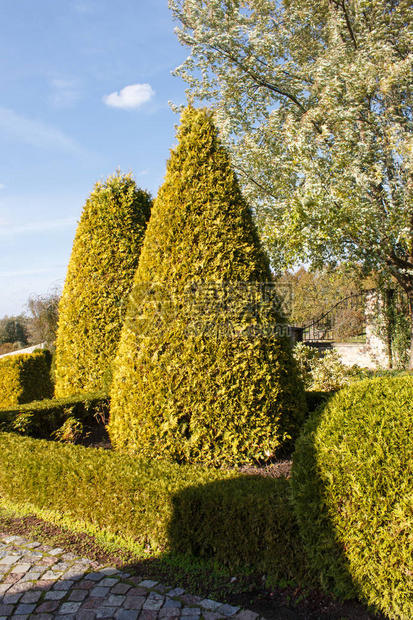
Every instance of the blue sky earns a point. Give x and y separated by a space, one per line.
86 85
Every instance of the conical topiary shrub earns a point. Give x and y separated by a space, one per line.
104 259
198 375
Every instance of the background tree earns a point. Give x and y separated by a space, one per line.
104 259
200 374
13 330
313 293
42 316
315 101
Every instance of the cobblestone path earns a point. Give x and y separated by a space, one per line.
41 582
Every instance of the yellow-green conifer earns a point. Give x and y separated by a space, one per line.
199 375
104 259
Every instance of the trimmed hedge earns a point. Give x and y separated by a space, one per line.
188 509
25 377
201 374
353 493
42 419
99 278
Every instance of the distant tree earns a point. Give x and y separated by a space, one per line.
13 329
313 293
42 316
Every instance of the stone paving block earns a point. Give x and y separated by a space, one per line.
31 597
49 561
194 617
44 584
49 575
85 615
76 575
176 592
11 599
85 584
44 617
5 610
170 602
211 615
10 559
190 599
25 609
169 612
99 592
114 600
55 595
21 568
228 610
147 583
31 576
60 566
56 551
191 611
109 582
134 602
11 578
109 571
147 614
120 588
64 584
138 592
162 589
209 604
152 604
69 608
33 545
20 616
95 576
20 586
10 539
247 615
92 603
48 606
126 614
106 612
135 580
77 595
156 596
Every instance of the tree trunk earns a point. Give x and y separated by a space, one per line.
389 317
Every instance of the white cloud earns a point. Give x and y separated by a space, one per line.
85 8
65 92
2 186
130 97
36 227
35 133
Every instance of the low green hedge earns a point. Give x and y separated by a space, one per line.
41 419
353 493
247 520
315 399
184 508
25 377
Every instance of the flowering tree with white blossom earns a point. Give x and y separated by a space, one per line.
314 100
